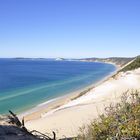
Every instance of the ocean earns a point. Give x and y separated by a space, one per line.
26 83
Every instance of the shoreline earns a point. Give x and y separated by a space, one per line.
53 104
70 117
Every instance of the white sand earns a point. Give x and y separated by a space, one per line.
66 119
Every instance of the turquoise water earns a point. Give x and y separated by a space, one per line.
27 83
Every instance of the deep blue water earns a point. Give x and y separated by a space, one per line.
27 83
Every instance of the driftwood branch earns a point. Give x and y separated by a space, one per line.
21 124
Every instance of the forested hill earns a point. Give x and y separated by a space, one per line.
134 65
120 61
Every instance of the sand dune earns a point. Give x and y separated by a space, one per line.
66 119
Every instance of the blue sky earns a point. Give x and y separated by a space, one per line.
69 28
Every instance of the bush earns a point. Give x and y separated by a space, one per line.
120 122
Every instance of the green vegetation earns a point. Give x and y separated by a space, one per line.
134 65
120 122
121 61
82 93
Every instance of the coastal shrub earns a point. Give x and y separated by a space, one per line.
134 65
120 122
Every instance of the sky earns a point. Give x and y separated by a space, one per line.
69 28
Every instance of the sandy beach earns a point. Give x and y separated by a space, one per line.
70 115
44 107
